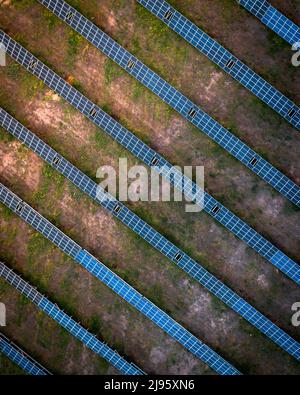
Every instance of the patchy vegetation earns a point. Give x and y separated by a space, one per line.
89 148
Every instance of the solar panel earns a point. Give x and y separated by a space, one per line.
274 19
154 238
222 57
177 100
20 358
128 140
114 282
68 323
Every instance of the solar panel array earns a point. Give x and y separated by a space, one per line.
175 99
20 358
53 311
153 237
274 19
114 282
225 60
128 140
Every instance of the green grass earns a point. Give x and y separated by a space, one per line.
49 178
112 71
75 41
51 19
290 209
95 324
22 5
38 245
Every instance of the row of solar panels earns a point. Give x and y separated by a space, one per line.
114 282
151 158
224 59
274 19
176 99
292 346
18 356
144 230
53 311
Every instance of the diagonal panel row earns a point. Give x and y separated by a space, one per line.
274 19
128 140
19 357
175 99
53 311
115 283
153 237
225 60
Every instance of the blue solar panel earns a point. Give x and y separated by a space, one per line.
175 99
20 358
114 282
144 230
274 19
225 60
53 311
128 140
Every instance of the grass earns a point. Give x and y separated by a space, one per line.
290 209
22 5
49 178
51 19
112 71
75 41
37 246
6 213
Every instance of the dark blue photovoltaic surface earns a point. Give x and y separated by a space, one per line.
128 140
144 230
224 59
175 99
115 283
53 311
19 357
274 19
